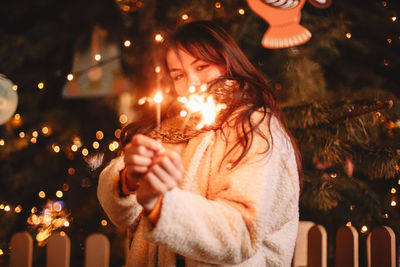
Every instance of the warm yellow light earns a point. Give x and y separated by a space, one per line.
33 209
70 77
386 62
66 223
352 207
117 133
348 35
113 146
157 69
393 203
71 171
59 194
96 145
1 252
192 89
384 3
97 57
2 143
183 113
99 135
218 5
348 223
386 215
56 148
393 190
42 194
182 99
65 187
241 11
394 19
389 40
21 134
364 229
15 87
17 116
158 97
85 152
45 130
333 175
1 206
158 38
185 17
40 85
74 148
104 222
18 209
33 140
35 134
123 119
7 208
127 43
142 100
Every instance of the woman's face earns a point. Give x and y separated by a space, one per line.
189 71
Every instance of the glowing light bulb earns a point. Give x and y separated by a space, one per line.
117 133
158 38
7 208
70 77
40 85
56 148
185 17
393 190
183 113
364 229
348 35
218 5
104 222
45 130
95 145
123 119
42 194
158 97
394 19
59 194
192 89
85 152
74 148
97 57
99 135
15 87
241 11
393 203
127 43
2 142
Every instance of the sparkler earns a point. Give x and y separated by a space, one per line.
157 99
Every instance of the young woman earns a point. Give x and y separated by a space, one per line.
222 195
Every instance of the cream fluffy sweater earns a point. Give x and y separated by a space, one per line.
245 216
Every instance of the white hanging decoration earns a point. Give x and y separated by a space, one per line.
8 99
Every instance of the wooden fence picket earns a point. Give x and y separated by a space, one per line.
21 250
58 250
346 254
381 247
97 251
317 247
300 251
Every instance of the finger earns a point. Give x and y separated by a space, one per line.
135 159
176 160
144 151
171 169
148 142
156 185
134 169
164 177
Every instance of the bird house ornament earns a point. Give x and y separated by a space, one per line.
97 70
283 17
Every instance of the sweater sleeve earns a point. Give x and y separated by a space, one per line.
122 211
243 206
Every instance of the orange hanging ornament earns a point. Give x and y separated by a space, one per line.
283 18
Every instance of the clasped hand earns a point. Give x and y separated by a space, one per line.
151 170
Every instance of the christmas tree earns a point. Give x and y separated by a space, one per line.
82 70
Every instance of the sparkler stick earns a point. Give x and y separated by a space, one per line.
157 99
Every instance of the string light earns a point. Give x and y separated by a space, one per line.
384 3
394 19
2 142
33 209
45 130
17 116
241 11
142 100
1 252
218 5
99 135
66 224
113 146
185 17
117 133
158 38
348 223
389 40
364 229
18 209
35 134
393 190
127 43
74 148
95 145
21 135
71 171
7 208
333 175
65 187
33 140
386 62
40 85
59 194
85 152
15 87
393 203
183 113
386 216
123 119
97 57
348 35
42 194
352 207
104 222
56 148
70 77
157 69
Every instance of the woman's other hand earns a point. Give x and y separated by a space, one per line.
138 157
165 174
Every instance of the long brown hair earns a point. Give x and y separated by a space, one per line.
211 43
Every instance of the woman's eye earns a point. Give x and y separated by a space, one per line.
202 67
178 77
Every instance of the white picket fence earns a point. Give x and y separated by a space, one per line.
310 251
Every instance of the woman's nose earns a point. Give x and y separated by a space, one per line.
194 80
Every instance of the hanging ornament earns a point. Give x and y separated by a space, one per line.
97 70
283 17
8 99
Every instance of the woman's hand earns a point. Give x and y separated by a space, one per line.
165 174
138 157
